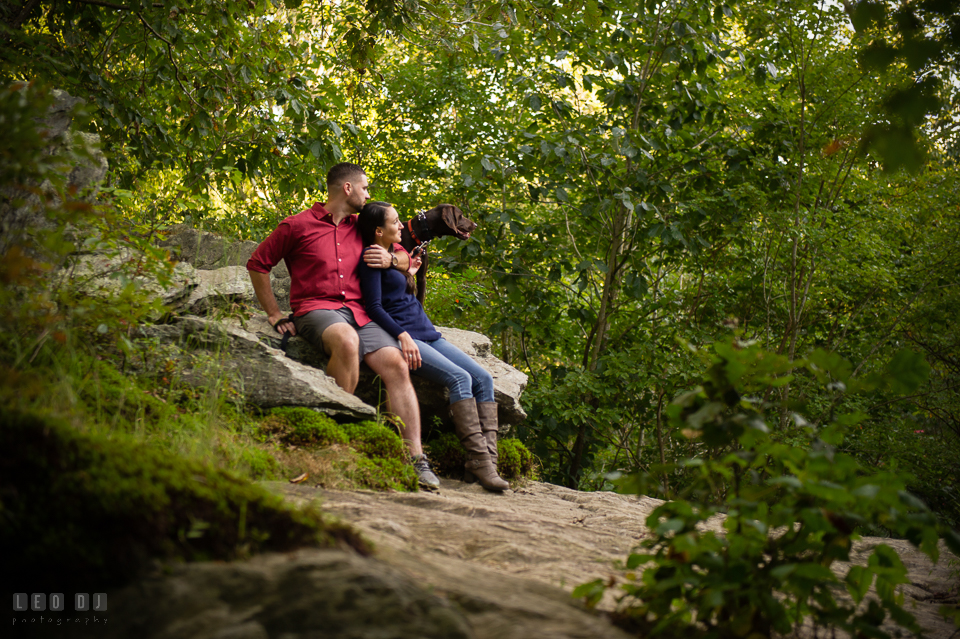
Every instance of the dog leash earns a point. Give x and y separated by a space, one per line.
422 245
286 336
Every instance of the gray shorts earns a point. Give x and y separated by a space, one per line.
312 325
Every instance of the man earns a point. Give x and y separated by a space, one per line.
321 247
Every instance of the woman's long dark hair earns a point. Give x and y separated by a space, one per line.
372 215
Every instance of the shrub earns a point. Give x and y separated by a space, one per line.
790 516
80 506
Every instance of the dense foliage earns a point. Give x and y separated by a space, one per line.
788 510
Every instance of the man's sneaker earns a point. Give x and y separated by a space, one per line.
422 465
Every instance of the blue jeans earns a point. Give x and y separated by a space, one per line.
446 364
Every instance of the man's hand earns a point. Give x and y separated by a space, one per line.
261 286
282 324
375 256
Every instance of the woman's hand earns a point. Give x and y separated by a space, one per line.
415 263
411 353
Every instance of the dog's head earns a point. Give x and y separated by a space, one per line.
451 220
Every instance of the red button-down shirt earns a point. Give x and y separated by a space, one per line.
322 258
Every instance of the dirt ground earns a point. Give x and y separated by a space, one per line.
493 552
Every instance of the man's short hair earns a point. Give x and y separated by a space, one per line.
343 172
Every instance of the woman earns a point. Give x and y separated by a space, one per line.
389 298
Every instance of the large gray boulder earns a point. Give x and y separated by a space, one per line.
304 595
189 290
207 251
268 378
220 288
508 382
107 273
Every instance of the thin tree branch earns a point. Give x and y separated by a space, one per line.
176 69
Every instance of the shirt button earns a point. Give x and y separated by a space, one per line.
339 260
341 277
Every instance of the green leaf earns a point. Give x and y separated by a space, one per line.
785 480
858 582
591 592
911 501
868 491
952 539
908 371
866 13
670 525
816 572
637 559
782 572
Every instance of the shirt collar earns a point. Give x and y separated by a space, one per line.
321 213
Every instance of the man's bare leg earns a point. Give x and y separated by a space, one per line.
389 364
341 342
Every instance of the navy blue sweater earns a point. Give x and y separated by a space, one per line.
388 303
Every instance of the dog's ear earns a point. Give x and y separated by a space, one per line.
450 215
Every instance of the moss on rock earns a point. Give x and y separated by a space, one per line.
385 474
376 441
75 506
303 427
516 461
258 464
380 462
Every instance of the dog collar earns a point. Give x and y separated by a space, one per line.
413 233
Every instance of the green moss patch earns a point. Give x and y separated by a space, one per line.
76 506
376 459
515 460
296 426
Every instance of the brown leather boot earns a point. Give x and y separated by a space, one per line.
467 423
489 426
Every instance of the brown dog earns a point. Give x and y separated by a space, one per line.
445 219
